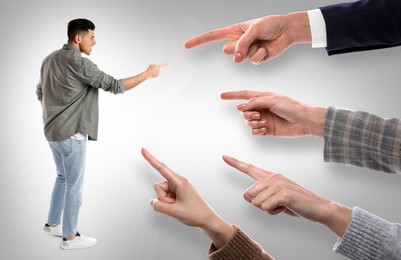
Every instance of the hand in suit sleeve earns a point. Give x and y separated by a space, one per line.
362 25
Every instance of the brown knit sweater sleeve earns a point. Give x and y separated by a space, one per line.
240 247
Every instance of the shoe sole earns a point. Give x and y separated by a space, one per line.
75 248
51 234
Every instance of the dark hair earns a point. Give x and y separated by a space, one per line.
79 26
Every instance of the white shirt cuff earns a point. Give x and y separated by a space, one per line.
318 28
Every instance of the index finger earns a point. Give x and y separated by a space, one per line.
244 94
210 36
249 169
166 172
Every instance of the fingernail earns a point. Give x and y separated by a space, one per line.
226 156
238 57
240 107
255 116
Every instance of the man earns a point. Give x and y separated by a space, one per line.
68 92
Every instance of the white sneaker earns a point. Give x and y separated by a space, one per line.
53 231
78 242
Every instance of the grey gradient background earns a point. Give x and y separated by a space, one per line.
180 118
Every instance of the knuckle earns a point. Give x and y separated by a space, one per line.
254 203
278 176
251 167
183 182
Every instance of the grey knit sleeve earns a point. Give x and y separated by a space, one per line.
370 237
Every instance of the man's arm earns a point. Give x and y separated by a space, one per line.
90 74
152 72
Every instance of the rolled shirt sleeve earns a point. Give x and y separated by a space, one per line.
90 74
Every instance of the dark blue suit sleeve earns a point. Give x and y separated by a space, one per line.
362 25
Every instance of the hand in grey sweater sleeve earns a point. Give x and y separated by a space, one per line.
370 237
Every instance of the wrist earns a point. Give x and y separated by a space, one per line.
298 27
144 75
219 231
315 118
337 218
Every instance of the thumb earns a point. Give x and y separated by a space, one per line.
258 103
161 206
247 198
244 43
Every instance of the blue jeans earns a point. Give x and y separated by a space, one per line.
69 156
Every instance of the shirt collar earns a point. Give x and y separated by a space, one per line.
69 47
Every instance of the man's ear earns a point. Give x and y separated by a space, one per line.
77 38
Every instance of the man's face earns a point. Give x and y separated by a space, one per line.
87 41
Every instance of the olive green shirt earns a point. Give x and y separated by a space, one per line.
68 90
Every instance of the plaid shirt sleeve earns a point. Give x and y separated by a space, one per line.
362 139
